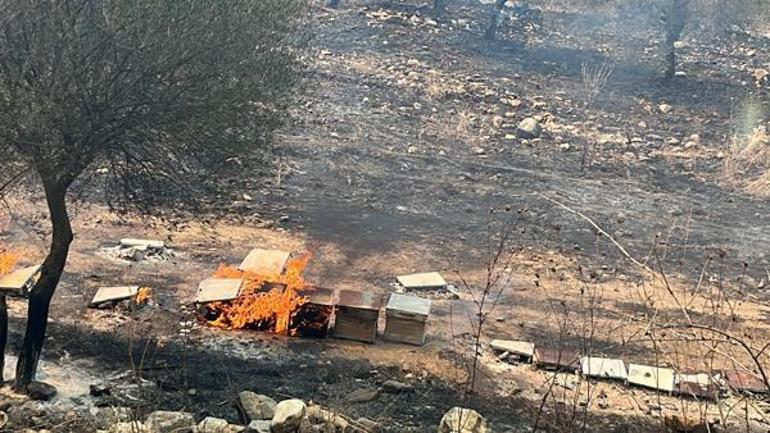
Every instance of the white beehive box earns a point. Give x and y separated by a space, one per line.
406 319
659 378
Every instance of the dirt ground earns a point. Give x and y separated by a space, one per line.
404 140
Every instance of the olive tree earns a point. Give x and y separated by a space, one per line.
158 92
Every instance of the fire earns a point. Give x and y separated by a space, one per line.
143 295
8 260
257 308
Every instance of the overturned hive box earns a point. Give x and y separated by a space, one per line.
745 382
356 315
557 359
19 282
696 385
406 317
312 319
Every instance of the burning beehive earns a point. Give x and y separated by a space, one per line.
406 317
267 301
313 317
356 315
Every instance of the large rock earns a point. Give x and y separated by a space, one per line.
169 422
528 128
256 406
288 416
459 420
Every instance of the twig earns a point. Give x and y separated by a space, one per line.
620 247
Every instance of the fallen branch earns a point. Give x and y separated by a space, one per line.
596 226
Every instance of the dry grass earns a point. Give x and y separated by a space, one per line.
747 164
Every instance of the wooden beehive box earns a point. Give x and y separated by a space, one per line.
356 315
313 318
406 317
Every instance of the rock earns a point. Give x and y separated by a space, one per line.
396 386
665 108
479 151
213 425
256 406
459 420
680 44
41 391
162 421
363 395
288 415
259 426
529 129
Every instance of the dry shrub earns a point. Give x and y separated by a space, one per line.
748 163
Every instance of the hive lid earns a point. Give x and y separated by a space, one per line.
318 295
218 289
19 279
651 377
524 348
603 367
356 299
267 263
409 304
428 280
107 294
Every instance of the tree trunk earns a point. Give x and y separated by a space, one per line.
333 3
43 290
494 19
676 19
3 335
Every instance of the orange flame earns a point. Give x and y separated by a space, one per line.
8 260
259 308
143 295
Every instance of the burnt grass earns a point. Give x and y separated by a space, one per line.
175 367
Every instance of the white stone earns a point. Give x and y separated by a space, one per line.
257 406
288 416
459 420
162 421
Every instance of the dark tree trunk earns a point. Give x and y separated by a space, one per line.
494 19
333 3
3 335
439 7
43 290
676 19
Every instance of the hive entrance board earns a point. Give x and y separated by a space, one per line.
267 263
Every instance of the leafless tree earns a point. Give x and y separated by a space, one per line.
156 93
